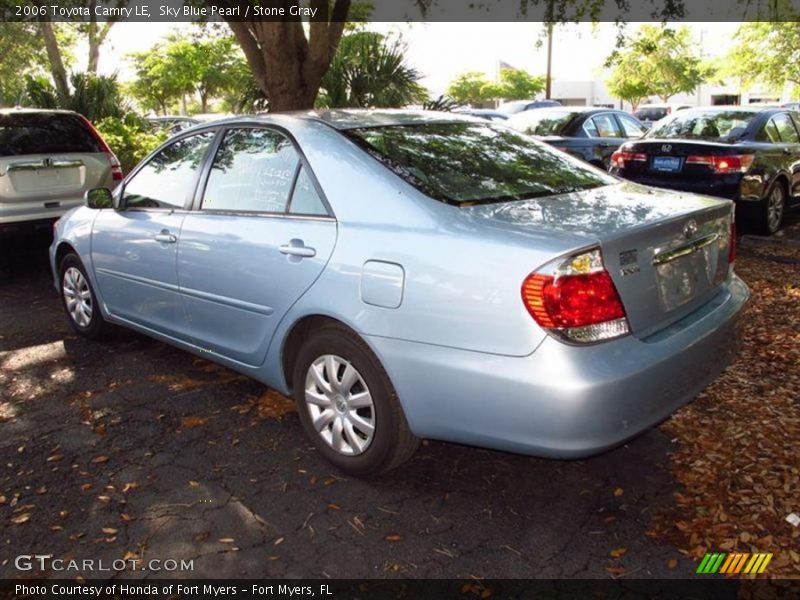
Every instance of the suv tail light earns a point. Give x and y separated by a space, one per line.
116 167
620 157
734 163
577 300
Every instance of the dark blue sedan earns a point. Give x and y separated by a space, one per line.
590 133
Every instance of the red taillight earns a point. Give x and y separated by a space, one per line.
734 163
116 167
620 157
582 306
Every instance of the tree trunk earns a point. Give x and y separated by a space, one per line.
203 103
287 66
57 68
97 35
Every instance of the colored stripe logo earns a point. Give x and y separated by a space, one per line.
734 563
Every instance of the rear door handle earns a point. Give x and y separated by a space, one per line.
297 248
165 237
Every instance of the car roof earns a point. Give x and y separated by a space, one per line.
753 108
31 111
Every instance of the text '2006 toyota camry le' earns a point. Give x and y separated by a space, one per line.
409 275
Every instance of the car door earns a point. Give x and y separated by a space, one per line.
260 236
134 247
606 137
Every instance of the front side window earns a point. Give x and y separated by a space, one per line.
168 179
785 127
631 127
472 163
769 133
253 171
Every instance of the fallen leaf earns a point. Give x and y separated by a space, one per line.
616 571
130 556
131 485
56 528
278 541
86 487
191 422
393 538
617 552
3 500
41 490
109 530
226 540
55 457
193 483
334 507
104 498
99 460
126 517
618 492
21 518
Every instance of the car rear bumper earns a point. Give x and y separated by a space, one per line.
18 213
564 401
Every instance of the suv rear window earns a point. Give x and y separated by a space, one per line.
44 133
473 163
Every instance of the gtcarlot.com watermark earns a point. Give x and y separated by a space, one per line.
47 562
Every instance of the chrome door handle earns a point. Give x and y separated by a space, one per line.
166 237
297 248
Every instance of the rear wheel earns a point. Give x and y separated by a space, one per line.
78 297
348 406
773 206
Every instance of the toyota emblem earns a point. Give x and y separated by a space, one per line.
690 229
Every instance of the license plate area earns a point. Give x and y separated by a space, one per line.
666 164
686 276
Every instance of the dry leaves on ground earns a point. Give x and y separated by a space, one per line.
737 456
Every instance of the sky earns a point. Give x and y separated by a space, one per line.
442 51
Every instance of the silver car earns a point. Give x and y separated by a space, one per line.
48 159
412 275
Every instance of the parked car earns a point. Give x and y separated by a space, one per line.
517 106
48 159
482 113
591 134
649 114
410 274
749 154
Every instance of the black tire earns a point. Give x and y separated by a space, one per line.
392 442
765 220
96 327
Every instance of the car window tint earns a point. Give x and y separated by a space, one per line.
305 199
769 133
168 179
606 126
631 127
471 163
542 121
786 129
44 133
590 129
252 171
711 125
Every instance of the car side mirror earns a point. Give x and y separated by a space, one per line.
98 198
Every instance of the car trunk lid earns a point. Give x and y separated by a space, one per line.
666 252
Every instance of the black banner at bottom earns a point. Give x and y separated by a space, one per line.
421 589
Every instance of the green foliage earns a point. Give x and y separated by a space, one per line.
518 84
94 96
370 70
768 52
442 103
130 137
657 60
471 88
20 49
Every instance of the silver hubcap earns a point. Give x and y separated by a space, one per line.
340 405
77 296
775 208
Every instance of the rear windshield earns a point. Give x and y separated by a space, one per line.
542 122
651 114
472 163
723 126
31 133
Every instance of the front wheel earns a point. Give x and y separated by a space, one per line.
79 299
348 406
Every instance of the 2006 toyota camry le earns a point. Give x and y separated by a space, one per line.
410 275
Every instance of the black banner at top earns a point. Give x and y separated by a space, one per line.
402 10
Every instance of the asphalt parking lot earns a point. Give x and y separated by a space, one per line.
131 449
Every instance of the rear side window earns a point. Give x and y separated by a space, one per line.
631 127
44 133
253 171
786 129
606 126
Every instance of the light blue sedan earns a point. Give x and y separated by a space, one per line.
409 275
